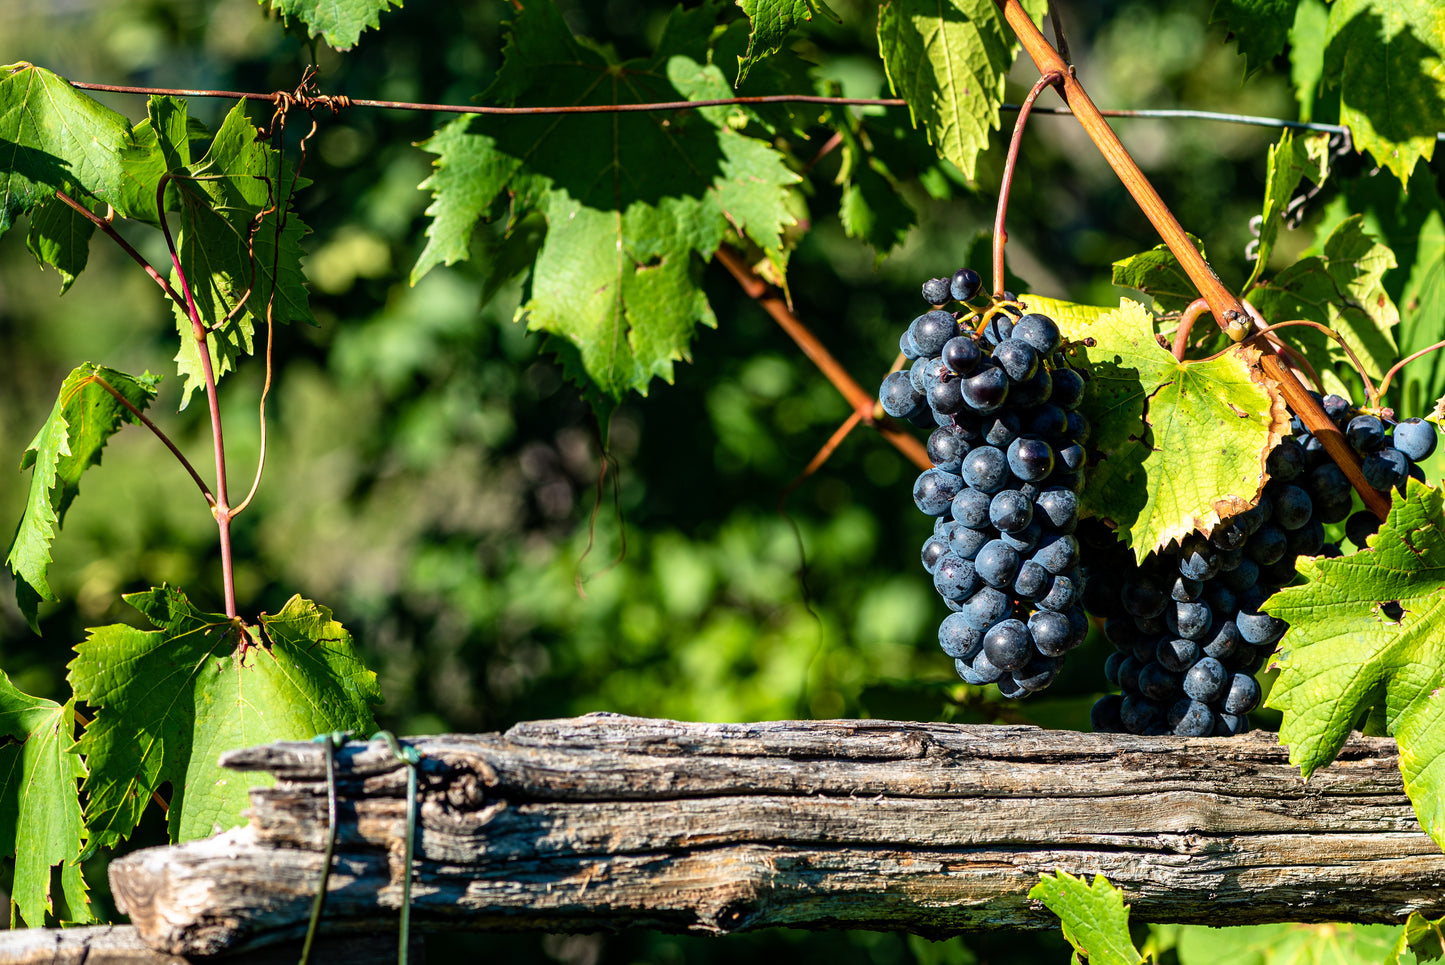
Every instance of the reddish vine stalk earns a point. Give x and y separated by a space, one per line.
221 508
1000 236
1224 304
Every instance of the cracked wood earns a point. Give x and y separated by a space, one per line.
607 821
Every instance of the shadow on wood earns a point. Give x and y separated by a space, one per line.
606 822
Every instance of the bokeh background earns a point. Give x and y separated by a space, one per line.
434 481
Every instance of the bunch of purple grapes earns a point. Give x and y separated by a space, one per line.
1007 453
1187 625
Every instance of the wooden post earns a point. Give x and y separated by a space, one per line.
606 822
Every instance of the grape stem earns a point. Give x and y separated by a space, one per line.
1000 236
816 463
1228 310
104 225
1385 382
220 506
861 401
1370 392
1186 322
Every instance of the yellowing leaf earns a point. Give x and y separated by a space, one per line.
1180 445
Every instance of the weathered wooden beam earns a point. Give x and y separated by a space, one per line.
608 822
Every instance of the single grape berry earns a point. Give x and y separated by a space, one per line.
936 291
986 391
1416 438
1030 459
965 284
934 490
1386 469
1017 358
997 564
933 550
1360 527
898 396
984 469
958 639
1068 389
1039 331
961 355
1010 511
1365 433
947 447
970 507
1007 645
1337 408
931 330
946 398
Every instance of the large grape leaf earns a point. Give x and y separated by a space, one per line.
83 419
1290 160
1342 288
1158 273
40 820
1072 318
1388 59
630 200
1287 944
228 248
169 701
1259 27
770 23
53 137
1367 633
340 22
1095 918
1179 444
947 59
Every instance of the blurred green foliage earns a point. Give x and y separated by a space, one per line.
432 479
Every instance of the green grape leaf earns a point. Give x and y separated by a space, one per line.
1368 631
1388 59
40 819
1286 944
60 236
83 419
948 61
340 22
1180 445
1342 288
54 138
1259 27
228 248
1158 273
1095 918
770 23
632 201
170 700
872 208
1307 55
1290 160
1422 937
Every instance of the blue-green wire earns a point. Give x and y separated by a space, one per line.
409 757
332 741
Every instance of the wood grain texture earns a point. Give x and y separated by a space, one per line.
609 822
121 945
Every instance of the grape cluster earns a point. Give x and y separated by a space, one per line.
1187 625
1007 453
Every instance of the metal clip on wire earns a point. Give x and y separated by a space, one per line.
333 741
411 758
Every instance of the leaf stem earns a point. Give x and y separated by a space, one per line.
1226 307
159 434
1385 382
862 401
221 508
109 229
1186 322
1000 236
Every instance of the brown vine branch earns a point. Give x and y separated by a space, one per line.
1226 307
816 463
1000 236
125 246
858 398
